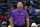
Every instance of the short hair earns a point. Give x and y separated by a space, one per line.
25 5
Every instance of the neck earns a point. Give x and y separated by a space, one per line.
19 10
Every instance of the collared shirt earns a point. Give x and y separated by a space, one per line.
19 17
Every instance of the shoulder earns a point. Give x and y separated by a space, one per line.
24 11
33 8
28 8
14 10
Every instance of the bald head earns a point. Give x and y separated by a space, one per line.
20 4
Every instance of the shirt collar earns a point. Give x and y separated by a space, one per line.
19 11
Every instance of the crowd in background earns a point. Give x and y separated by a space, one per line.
29 6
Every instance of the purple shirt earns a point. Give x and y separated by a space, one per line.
19 17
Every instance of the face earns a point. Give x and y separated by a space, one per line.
12 8
4 25
30 6
33 26
19 6
26 7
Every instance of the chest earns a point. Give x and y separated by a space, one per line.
19 14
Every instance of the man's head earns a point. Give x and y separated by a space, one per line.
33 25
38 25
39 1
26 7
30 6
19 6
4 24
12 8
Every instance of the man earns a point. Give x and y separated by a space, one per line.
18 17
12 8
32 10
4 24
26 8
33 25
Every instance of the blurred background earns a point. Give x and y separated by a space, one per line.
31 6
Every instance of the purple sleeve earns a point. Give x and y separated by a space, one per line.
27 16
12 14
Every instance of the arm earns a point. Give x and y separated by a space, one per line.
27 20
11 22
29 12
12 19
